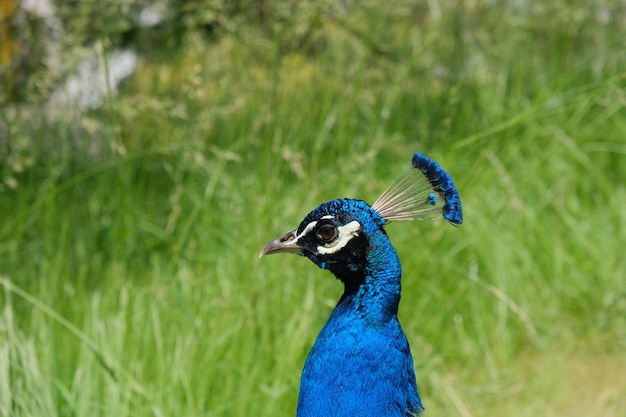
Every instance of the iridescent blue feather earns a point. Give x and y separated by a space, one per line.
425 191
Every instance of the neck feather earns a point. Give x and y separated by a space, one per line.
376 293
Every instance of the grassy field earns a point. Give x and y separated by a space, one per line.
129 278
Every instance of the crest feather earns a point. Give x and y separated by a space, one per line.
425 191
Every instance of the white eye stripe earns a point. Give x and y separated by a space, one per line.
306 231
310 227
346 233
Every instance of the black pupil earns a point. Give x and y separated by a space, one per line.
327 233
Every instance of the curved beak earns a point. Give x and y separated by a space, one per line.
286 243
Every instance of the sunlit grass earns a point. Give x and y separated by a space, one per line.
129 241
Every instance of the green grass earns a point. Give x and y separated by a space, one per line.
129 238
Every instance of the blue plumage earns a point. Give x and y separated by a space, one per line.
442 183
361 364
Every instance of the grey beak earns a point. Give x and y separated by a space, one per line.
284 244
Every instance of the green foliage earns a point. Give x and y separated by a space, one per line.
129 280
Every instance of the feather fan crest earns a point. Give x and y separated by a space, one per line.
425 191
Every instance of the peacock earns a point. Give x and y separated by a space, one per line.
361 363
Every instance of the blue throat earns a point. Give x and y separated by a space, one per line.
361 364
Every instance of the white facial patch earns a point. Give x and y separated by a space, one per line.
346 233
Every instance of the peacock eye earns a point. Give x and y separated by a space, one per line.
327 233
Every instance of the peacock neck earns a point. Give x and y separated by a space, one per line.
375 296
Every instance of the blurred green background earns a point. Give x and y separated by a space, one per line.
132 210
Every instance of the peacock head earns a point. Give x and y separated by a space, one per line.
337 236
